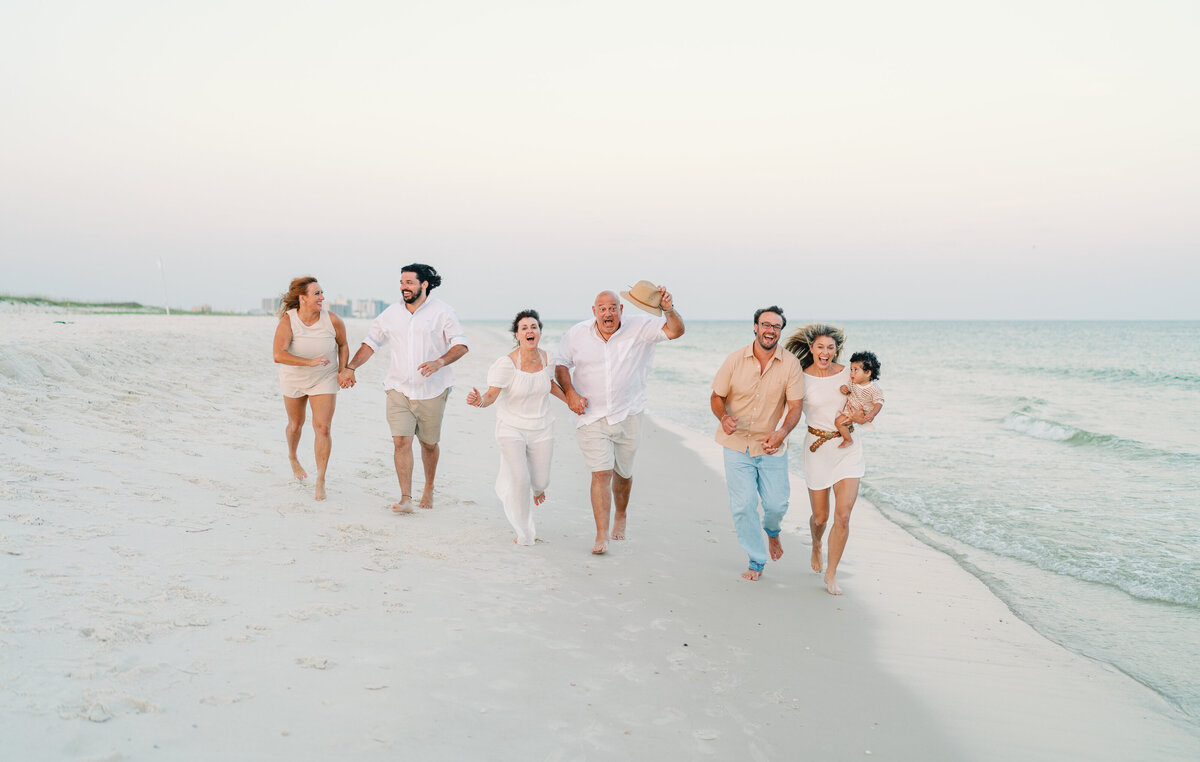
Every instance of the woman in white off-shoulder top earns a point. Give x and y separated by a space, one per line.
521 383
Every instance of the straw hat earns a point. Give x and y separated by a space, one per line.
644 295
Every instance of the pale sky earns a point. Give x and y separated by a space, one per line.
856 160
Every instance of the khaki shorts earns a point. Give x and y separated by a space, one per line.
611 446
422 418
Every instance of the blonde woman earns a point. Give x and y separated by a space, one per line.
521 383
827 468
310 348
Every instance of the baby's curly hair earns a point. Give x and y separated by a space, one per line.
869 362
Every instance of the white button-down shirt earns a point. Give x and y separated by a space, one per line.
415 338
611 374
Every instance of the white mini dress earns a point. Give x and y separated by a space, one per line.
823 400
316 340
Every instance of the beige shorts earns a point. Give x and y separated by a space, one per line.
420 418
611 447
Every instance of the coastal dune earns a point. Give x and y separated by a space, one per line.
170 591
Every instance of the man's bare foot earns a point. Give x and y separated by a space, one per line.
426 499
404 506
298 470
320 492
618 532
600 548
776 548
817 562
539 498
831 584
751 575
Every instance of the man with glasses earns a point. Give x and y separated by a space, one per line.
751 392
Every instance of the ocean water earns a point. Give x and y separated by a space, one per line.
1058 462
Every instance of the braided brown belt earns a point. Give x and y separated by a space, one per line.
822 437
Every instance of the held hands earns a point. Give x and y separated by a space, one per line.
773 442
346 378
431 367
576 403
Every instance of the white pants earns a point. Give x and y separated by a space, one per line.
524 472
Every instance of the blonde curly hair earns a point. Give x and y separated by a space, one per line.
800 342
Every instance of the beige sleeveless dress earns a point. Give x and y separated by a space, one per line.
316 340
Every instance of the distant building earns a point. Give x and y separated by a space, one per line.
342 307
369 308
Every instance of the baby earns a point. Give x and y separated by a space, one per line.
862 394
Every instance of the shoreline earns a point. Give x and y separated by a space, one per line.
979 640
172 590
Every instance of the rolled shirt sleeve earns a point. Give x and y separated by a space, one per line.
377 334
416 338
452 330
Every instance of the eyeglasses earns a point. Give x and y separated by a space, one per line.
770 326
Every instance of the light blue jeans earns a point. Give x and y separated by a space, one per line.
749 479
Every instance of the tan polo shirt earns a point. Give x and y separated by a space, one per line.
757 399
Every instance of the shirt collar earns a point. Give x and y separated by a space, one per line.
598 335
777 355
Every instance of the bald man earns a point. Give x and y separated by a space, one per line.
602 365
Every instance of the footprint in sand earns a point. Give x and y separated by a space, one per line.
631 672
630 632
102 634
226 699
670 714
95 713
323 584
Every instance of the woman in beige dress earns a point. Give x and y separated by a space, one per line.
310 348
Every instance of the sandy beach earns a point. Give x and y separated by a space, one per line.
169 591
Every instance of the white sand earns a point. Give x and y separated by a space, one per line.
168 591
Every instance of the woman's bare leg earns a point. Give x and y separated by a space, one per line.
322 410
295 407
845 493
819 500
